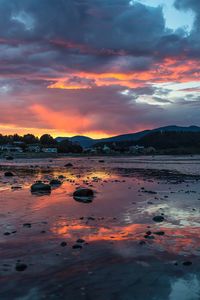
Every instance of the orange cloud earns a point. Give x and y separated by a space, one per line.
65 124
168 71
60 120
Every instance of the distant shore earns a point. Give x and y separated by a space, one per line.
30 155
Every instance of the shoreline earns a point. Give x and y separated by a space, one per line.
63 155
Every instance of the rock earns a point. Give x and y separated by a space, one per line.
77 246
80 241
83 195
55 182
187 263
16 187
27 225
20 267
150 237
158 219
101 161
9 157
91 219
159 232
150 192
142 242
69 165
39 186
148 233
63 244
6 233
8 174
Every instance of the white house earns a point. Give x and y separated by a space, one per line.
50 150
11 148
34 148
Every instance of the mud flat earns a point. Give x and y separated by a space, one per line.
137 238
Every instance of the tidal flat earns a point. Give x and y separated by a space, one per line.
138 238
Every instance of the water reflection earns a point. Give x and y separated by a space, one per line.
175 240
185 289
114 224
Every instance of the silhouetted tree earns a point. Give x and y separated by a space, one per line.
47 139
67 146
30 139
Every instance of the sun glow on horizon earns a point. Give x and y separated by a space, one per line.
12 129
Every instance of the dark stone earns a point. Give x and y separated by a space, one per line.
159 232
9 174
39 186
91 218
28 225
16 187
84 195
6 233
148 233
80 241
150 192
20 267
77 246
150 237
69 165
158 219
187 263
9 157
63 244
142 242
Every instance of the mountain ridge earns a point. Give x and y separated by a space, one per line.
87 142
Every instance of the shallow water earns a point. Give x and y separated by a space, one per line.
118 260
186 164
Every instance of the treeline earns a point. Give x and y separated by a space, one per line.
171 140
46 140
164 142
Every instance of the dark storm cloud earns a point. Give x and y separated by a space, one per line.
84 34
194 37
107 24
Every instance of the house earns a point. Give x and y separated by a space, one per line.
106 149
11 148
136 149
150 150
34 148
50 150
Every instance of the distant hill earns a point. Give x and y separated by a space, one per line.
183 141
84 141
87 142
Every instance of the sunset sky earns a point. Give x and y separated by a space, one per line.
98 67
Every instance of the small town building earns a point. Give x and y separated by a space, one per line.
34 148
50 150
106 149
136 149
11 148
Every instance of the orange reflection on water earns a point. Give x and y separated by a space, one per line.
94 232
175 240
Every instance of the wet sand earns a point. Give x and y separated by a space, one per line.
122 252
